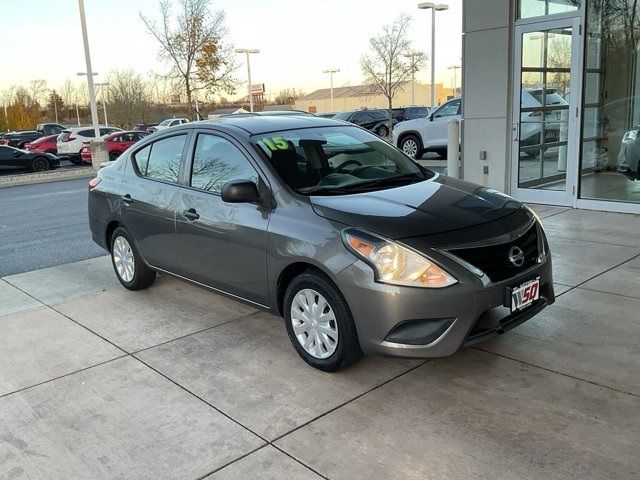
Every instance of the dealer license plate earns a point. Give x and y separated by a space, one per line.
524 295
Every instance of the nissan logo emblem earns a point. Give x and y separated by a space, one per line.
516 256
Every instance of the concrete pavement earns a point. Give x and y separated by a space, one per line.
177 382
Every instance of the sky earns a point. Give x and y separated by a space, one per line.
298 39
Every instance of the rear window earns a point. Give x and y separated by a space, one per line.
89 133
161 159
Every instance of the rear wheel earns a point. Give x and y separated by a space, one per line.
319 323
131 271
40 164
382 131
411 146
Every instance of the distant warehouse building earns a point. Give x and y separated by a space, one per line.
363 96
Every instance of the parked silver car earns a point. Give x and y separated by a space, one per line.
359 248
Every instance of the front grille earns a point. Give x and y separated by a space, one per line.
494 260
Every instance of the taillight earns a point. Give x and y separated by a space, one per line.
94 183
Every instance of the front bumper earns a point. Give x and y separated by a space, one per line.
467 312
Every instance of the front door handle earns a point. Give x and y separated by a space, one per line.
191 214
126 199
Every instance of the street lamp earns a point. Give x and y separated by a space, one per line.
249 51
455 77
87 58
435 8
104 106
331 71
412 56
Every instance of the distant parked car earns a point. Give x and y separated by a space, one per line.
20 138
71 140
374 120
169 122
144 127
48 144
117 143
409 113
326 115
15 159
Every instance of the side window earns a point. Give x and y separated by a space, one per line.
87 133
217 161
141 159
117 139
448 110
162 161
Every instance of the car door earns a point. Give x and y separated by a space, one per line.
436 133
222 245
148 198
11 158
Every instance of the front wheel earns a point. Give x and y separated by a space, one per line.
131 271
319 323
411 146
383 131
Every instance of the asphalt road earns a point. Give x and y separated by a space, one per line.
44 225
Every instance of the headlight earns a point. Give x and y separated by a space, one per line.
395 264
535 215
630 135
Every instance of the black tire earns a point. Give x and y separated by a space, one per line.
347 350
382 131
40 164
113 156
143 276
75 160
416 140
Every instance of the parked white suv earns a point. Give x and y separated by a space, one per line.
414 137
169 122
71 140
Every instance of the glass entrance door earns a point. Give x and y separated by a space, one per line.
545 112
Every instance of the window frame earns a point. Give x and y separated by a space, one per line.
143 145
188 160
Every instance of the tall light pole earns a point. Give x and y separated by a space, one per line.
331 71
455 77
104 106
87 58
249 51
434 8
412 57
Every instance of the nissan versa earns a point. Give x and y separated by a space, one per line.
359 248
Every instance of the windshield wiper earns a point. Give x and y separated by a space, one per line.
380 182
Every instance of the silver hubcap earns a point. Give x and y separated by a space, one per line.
410 147
314 323
123 259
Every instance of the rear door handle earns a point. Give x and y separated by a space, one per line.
126 199
191 214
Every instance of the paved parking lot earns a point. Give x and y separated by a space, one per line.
176 382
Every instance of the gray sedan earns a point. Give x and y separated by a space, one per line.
359 248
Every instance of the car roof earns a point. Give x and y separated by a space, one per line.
257 124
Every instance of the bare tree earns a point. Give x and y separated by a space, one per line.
37 89
129 97
388 66
195 46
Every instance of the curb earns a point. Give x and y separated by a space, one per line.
35 178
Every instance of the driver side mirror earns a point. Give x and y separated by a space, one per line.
240 191
431 117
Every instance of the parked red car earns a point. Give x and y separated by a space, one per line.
117 143
46 144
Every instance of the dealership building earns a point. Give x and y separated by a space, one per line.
551 100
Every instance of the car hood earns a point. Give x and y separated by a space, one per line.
414 124
440 207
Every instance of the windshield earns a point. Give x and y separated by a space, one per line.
337 161
166 122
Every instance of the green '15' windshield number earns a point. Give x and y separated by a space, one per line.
275 143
